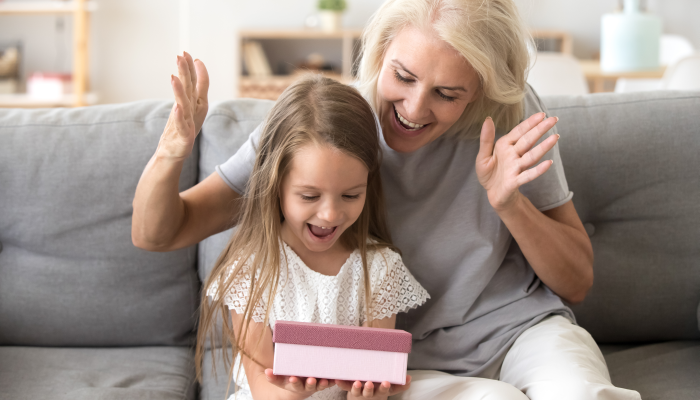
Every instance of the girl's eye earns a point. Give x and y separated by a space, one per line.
351 197
308 198
445 97
401 78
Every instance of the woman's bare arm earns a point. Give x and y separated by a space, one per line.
164 219
555 242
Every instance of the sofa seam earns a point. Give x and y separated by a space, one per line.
624 103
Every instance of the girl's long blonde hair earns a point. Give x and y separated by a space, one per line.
313 110
489 34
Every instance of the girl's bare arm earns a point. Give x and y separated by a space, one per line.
257 363
165 219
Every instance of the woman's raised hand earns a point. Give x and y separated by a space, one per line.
503 168
298 388
187 115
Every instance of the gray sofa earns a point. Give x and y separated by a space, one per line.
86 315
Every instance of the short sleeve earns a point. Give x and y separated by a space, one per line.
394 289
550 190
237 169
236 297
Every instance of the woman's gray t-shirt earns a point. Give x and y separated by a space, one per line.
484 293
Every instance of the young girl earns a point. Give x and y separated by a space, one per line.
312 243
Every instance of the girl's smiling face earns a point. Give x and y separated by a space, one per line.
424 87
322 194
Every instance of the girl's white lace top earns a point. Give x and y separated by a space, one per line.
305 295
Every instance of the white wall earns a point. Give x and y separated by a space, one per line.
134 42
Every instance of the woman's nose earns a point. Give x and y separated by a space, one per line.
416 106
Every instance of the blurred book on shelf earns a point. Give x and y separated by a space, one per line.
255 60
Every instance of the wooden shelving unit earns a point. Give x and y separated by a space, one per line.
270 87
80 10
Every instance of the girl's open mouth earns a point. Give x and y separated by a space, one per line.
321 233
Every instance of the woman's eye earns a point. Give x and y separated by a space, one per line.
400 78
444 96
308 198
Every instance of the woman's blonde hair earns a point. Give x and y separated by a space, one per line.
314 110
488 33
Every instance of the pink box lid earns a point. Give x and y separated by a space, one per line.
348 337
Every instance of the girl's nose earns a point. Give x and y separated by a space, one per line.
330 212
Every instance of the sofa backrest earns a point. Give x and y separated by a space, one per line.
69 273
633 163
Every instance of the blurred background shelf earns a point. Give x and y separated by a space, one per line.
273 58
80 12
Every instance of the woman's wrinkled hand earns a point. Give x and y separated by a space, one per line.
356 390
503 168
187 115
298 388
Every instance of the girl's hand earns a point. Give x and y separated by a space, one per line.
187 115
507 166
297 387
357 391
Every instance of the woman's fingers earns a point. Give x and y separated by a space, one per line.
191 69
202 80
487 138
180 97
525 143
531 157
524 127
183 72
532 173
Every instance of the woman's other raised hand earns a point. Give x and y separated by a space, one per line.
503 168
187 115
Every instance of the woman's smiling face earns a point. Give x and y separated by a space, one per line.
424 86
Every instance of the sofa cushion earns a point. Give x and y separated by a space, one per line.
662 371
154 373
216 384
69 273
226 128
632 163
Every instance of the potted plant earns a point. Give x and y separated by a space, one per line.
331 12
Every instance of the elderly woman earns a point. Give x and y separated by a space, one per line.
487 226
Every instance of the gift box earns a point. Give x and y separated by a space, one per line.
349 353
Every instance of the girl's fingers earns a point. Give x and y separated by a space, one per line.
384 388
525 127
487 138
310 384
535 154
356 389
527 141
368 391
296 383
532 173
323 384
344 385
